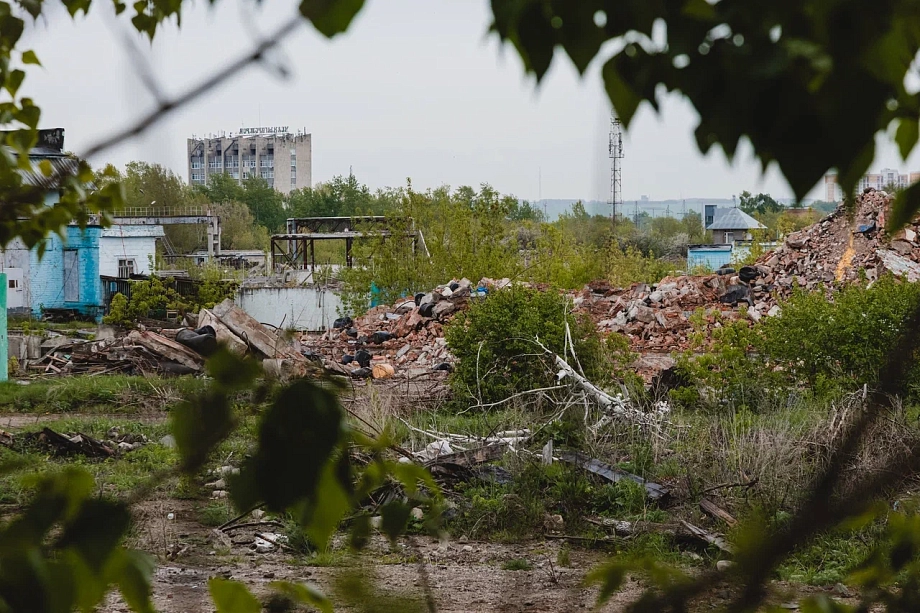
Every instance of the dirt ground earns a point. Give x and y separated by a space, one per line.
463 576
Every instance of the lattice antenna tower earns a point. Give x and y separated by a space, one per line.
615 150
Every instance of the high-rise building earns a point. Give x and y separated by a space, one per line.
888 177
282 158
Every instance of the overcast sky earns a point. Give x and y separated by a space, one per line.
416 88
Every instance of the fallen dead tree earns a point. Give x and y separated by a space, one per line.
682 529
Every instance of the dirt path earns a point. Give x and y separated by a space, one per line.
12 421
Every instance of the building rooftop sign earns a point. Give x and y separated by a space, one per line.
264 130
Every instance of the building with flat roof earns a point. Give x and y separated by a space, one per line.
282 158
887 177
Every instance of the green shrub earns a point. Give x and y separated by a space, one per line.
820 346
118 311
517 564
846 340
727 373
495 343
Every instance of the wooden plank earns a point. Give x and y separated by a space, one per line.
711 538
167 349
713 510
269 344
473 457
224 334
654 491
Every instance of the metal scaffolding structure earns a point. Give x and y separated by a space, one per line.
296 249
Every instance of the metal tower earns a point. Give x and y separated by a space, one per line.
615 150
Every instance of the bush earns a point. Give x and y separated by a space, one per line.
495 343
826 346
845 341
727 374
118 311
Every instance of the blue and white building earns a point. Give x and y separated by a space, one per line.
67 275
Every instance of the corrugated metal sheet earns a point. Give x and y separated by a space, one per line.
735 219
61 166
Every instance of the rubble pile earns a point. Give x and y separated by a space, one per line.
839 249
76 443
656 318
178 350
406 338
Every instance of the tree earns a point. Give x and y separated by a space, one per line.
152 186
238 228
762 204
265 204
340 197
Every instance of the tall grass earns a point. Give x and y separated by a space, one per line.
105 394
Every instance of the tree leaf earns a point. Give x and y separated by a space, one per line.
32 7
905 208
14 81
200 425
75 6
232 597
29 57
907 134
96 531
304 594
132 574
330 17
625 101
610 576
394 517
331 503
297 437
232 372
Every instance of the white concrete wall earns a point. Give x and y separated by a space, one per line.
128 242
17 257
301 308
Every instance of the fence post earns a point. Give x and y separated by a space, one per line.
4 337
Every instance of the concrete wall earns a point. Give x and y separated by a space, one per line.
302 308
17 257
126 242
708 257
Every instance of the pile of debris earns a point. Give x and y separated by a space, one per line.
406 338
75 444
656 318
178 350
841 249
837 249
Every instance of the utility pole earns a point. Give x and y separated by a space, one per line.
615 151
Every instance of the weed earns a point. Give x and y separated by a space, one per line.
517 564
215 513
564 557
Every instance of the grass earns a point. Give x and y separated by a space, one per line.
106 394
564 557
114 476
517 564
216 513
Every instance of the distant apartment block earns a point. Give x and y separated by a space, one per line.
887 177
282 158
